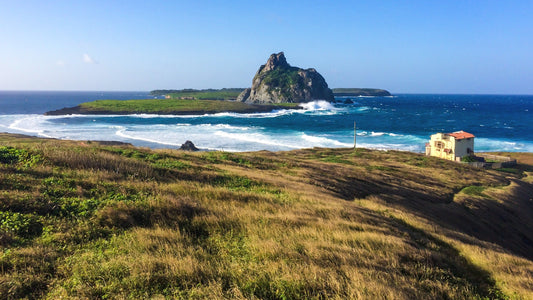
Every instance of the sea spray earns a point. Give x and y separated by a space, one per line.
318 105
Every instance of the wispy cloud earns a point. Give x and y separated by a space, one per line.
60 63
89 60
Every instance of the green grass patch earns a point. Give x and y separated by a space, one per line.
336 159
474 190
509 170
379 168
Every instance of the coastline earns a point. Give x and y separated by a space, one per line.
402 123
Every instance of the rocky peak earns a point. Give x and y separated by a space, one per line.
278 82
275 61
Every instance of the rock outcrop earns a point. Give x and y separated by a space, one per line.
188 146
278 82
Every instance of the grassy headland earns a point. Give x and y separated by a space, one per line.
167 106
86 220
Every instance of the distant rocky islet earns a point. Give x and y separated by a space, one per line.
278 82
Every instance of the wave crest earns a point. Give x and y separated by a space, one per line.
318 105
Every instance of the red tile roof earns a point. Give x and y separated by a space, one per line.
458 135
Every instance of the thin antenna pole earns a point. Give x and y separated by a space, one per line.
354 136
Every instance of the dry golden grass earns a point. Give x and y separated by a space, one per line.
123 222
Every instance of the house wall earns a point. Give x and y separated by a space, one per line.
438 143
462 146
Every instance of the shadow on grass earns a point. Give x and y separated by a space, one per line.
444 256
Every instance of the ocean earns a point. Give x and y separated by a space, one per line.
401 122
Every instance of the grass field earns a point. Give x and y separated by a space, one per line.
168 106
86 220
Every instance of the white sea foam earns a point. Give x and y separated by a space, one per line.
30 124
320 141
318 105
227 126
122 132
485 144
257 138
272 114
363 108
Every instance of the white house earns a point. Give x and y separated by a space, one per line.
451 146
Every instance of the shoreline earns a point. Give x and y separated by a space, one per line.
4 134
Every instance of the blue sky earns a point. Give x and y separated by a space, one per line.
463 46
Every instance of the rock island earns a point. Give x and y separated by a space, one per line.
278 82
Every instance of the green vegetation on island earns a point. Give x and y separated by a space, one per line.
283 79
206 94
93 221
167 106
360 92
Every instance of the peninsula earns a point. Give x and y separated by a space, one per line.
167 107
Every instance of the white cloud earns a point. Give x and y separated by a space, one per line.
60 63
87 59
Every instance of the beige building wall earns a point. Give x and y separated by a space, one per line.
439 143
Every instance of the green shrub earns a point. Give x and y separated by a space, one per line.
10 155
56 187
468 158
77 207
23 225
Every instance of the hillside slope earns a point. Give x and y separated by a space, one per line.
89 220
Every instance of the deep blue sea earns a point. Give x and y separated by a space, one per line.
401 122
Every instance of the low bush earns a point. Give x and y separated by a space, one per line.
24 225
11 155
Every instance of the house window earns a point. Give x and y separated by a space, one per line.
439 144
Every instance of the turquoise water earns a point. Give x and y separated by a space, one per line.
402 122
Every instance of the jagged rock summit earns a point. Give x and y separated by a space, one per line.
278 82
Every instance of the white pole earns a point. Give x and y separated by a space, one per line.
354 135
